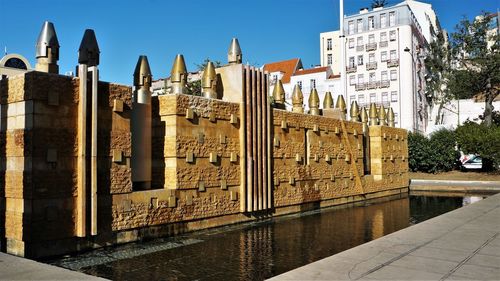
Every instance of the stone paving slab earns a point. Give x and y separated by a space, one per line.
463 244
17 268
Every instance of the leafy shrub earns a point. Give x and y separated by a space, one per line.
480 139
434 154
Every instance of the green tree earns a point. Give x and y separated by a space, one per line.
481 139
476 53
194 86
378 3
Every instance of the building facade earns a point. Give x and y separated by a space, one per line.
330 50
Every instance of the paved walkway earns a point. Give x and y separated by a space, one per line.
461 245
16 268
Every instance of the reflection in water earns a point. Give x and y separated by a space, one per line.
267 249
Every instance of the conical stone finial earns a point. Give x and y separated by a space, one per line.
209 81
354 111
234 55
391 118
142 73
382 116
328 100
314 102
297 100
373 115
364 120
341 104
88 53
178 75
279 95
47 49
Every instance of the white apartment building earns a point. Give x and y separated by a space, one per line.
330 50
384 58
320 78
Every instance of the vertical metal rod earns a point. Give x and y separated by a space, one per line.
93 153
264 138
81 161
243 143
270 133
254 140
248 132
259 138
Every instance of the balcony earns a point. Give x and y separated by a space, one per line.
371 65
360 86
384 84
392 62
351 69
371 85
360 48
371 47
383 44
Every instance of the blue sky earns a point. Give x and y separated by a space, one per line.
268 30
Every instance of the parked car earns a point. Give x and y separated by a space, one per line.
473 163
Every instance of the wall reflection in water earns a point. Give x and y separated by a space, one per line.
268 249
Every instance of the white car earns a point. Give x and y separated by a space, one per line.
473 163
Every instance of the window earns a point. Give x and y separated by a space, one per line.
329 44
352 98
393 54
371 58
385 97
275 78
383 76
394 75
373 97
392 35
371 38
360 41
352 80
313 84
350 27
383 56
360 25
383 20
371 23
361 79
360 60
396 118
329 59
299 83
394 96
372 77
361 99
392 18
351 61
383 36
351 43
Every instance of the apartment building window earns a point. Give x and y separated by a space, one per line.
360 25
351 43
350 27
394 96
361 99
383 20
394 75
360 41
313 84
393 55
396 118
371 38
372 77
371 58
371 23
361 79
329 44
373 97
360 60
352 80
352 98
383 36
351 61
392 35
385 97
299 83
275 78
329 59
383 56
392 19
383 75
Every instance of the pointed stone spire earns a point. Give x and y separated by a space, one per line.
142 73
341 104
234 55
279 95
297 100
88 53
382 116
178 75
209 81
354 111
391 117
364 120
373 115
328 101
47 49
314 102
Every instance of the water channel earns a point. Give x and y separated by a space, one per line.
261 250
